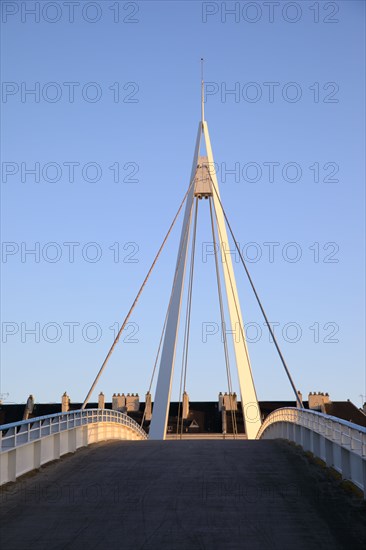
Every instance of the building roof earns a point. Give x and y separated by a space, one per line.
205 413
347 411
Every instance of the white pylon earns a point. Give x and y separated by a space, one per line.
251 412
199 185
164 384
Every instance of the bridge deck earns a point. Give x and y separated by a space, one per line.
180 495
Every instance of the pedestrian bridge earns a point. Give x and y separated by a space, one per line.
28 445
180 495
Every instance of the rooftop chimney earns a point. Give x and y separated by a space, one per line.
148 411
101 401
185 405
317 401
28 407
65 402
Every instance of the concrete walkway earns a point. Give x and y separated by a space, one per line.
184 495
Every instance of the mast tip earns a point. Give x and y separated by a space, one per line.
202 93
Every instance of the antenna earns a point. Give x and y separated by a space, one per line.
202 93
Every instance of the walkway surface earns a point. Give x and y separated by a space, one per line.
181 495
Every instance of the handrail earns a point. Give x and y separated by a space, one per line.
25 431
347 434
36 418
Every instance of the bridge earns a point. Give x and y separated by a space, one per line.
27 445
129 486
133 492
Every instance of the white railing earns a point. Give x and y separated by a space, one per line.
25 431
340 444
27 445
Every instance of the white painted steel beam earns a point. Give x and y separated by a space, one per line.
251 412
166 369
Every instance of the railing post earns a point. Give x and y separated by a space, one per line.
12 465
56 446
316 444
297 434
37 454
306 436
346 465
72 440
329 458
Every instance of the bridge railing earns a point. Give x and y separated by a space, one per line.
340 444
29 444
26 431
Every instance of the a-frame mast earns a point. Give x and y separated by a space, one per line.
249 401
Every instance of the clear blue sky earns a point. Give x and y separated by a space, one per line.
318 59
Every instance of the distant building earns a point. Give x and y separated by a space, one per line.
210 417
